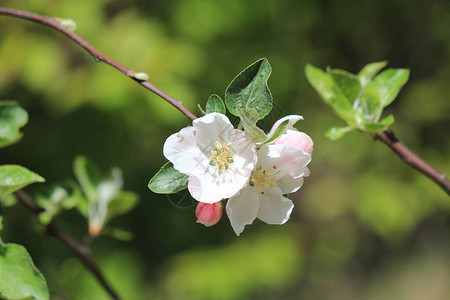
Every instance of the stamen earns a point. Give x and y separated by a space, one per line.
221 157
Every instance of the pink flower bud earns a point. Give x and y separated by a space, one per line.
297 139
209 214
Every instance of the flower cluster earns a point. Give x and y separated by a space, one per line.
222 162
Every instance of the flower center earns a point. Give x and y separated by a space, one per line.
221 157
260 178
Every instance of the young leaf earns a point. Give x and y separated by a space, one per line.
168 180
374 127
12 118
277 132
369 71
119 234
388 84
215 104
249 90
122 203
335 133
388 121
343 108
88 175
13 178
249 118
57 198
20 279
321 82
346 84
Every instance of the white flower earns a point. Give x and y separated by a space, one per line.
217 158
280 170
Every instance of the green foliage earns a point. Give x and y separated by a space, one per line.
249 90
358 99
215 104
249 118
13 178
20 279
12 118
104 198
56 199
168 180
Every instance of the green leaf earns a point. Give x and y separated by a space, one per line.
345 84
12 118
19 277
215 104
124 202
388 121
13 178
388 84
57 198
369 71
343 108
374 127
277 132
335 133
368 109
88 175
249 90
168 180
249 118
321 82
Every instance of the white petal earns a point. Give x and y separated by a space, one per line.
283 159
242 208
273 207
292 120
181 149
212 186
212 128
244 151
289 184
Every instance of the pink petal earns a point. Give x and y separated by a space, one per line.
209 214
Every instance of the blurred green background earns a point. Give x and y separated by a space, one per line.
365 225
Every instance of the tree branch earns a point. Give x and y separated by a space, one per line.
98 56
388 138
81 251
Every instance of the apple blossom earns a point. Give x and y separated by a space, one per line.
280 170
217 158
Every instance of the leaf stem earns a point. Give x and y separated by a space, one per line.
81 251
98 56
409 157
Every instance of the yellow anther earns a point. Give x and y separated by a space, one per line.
221 157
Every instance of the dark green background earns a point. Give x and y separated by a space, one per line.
365 225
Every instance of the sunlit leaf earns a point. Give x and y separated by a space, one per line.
335 133
277 132
369 71
168 180
215 104
249 90
343 108
88 175
249 118
12 118
321 82
13 178
388 121
388 84
346 84
19 277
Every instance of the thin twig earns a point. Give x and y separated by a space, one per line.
98 56
81 251
413 160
